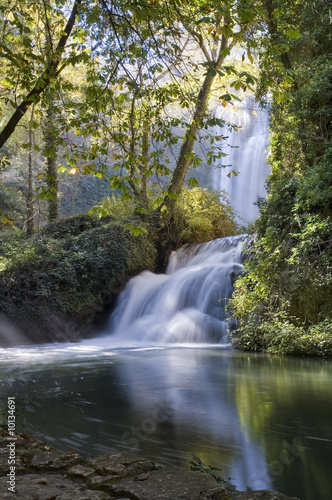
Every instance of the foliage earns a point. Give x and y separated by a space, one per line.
281 336
116 207
153 75
200 215
139 94
32 57
67 271
283 303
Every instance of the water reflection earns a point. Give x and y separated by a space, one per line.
266 422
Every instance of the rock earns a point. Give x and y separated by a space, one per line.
168 484
102 482
41 487
260 495
220 493
43 473
123 464
81 471
54 460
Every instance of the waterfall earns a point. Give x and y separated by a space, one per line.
246 154
184 305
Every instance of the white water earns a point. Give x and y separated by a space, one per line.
185 305
247 151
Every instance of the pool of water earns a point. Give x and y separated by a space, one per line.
266 422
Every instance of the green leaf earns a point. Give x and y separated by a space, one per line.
192 182
7 220
172 196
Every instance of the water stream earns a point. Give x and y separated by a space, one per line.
185 305
264 421
246 155
163 381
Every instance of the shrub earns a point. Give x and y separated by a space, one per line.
281 336
200 215
69 276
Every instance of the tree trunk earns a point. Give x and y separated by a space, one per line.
51 175
30 211
143 167
190 137
42 82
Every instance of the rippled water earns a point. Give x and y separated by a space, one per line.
265 421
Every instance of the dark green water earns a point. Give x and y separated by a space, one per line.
265 421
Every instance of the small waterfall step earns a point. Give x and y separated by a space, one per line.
186 304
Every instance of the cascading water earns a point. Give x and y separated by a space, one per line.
246 154
185 305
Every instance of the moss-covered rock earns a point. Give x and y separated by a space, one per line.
57 285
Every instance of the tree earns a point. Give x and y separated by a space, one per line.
51 145
288 286
149 59
18 24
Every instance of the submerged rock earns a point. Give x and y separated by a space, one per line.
43 473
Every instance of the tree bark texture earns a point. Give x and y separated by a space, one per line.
51 168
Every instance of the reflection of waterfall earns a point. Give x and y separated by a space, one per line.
197 397
246 155
187 304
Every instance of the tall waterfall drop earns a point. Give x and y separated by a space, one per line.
185 305
246 154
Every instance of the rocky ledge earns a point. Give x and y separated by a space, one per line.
34 471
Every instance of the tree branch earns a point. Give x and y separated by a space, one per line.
43 81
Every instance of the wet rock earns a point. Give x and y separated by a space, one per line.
41 487
260 495
43 473
220 493
53 460
167 484
81 471
123 464
102 482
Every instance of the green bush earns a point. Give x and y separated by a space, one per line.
281 336
113 206
200 215
68 276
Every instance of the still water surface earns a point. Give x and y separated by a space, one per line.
266 422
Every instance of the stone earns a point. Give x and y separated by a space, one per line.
168 484
220 493
97 482
81 471
54 460
260 495
41 487
123 464
43 473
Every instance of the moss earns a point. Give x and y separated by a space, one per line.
57 284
